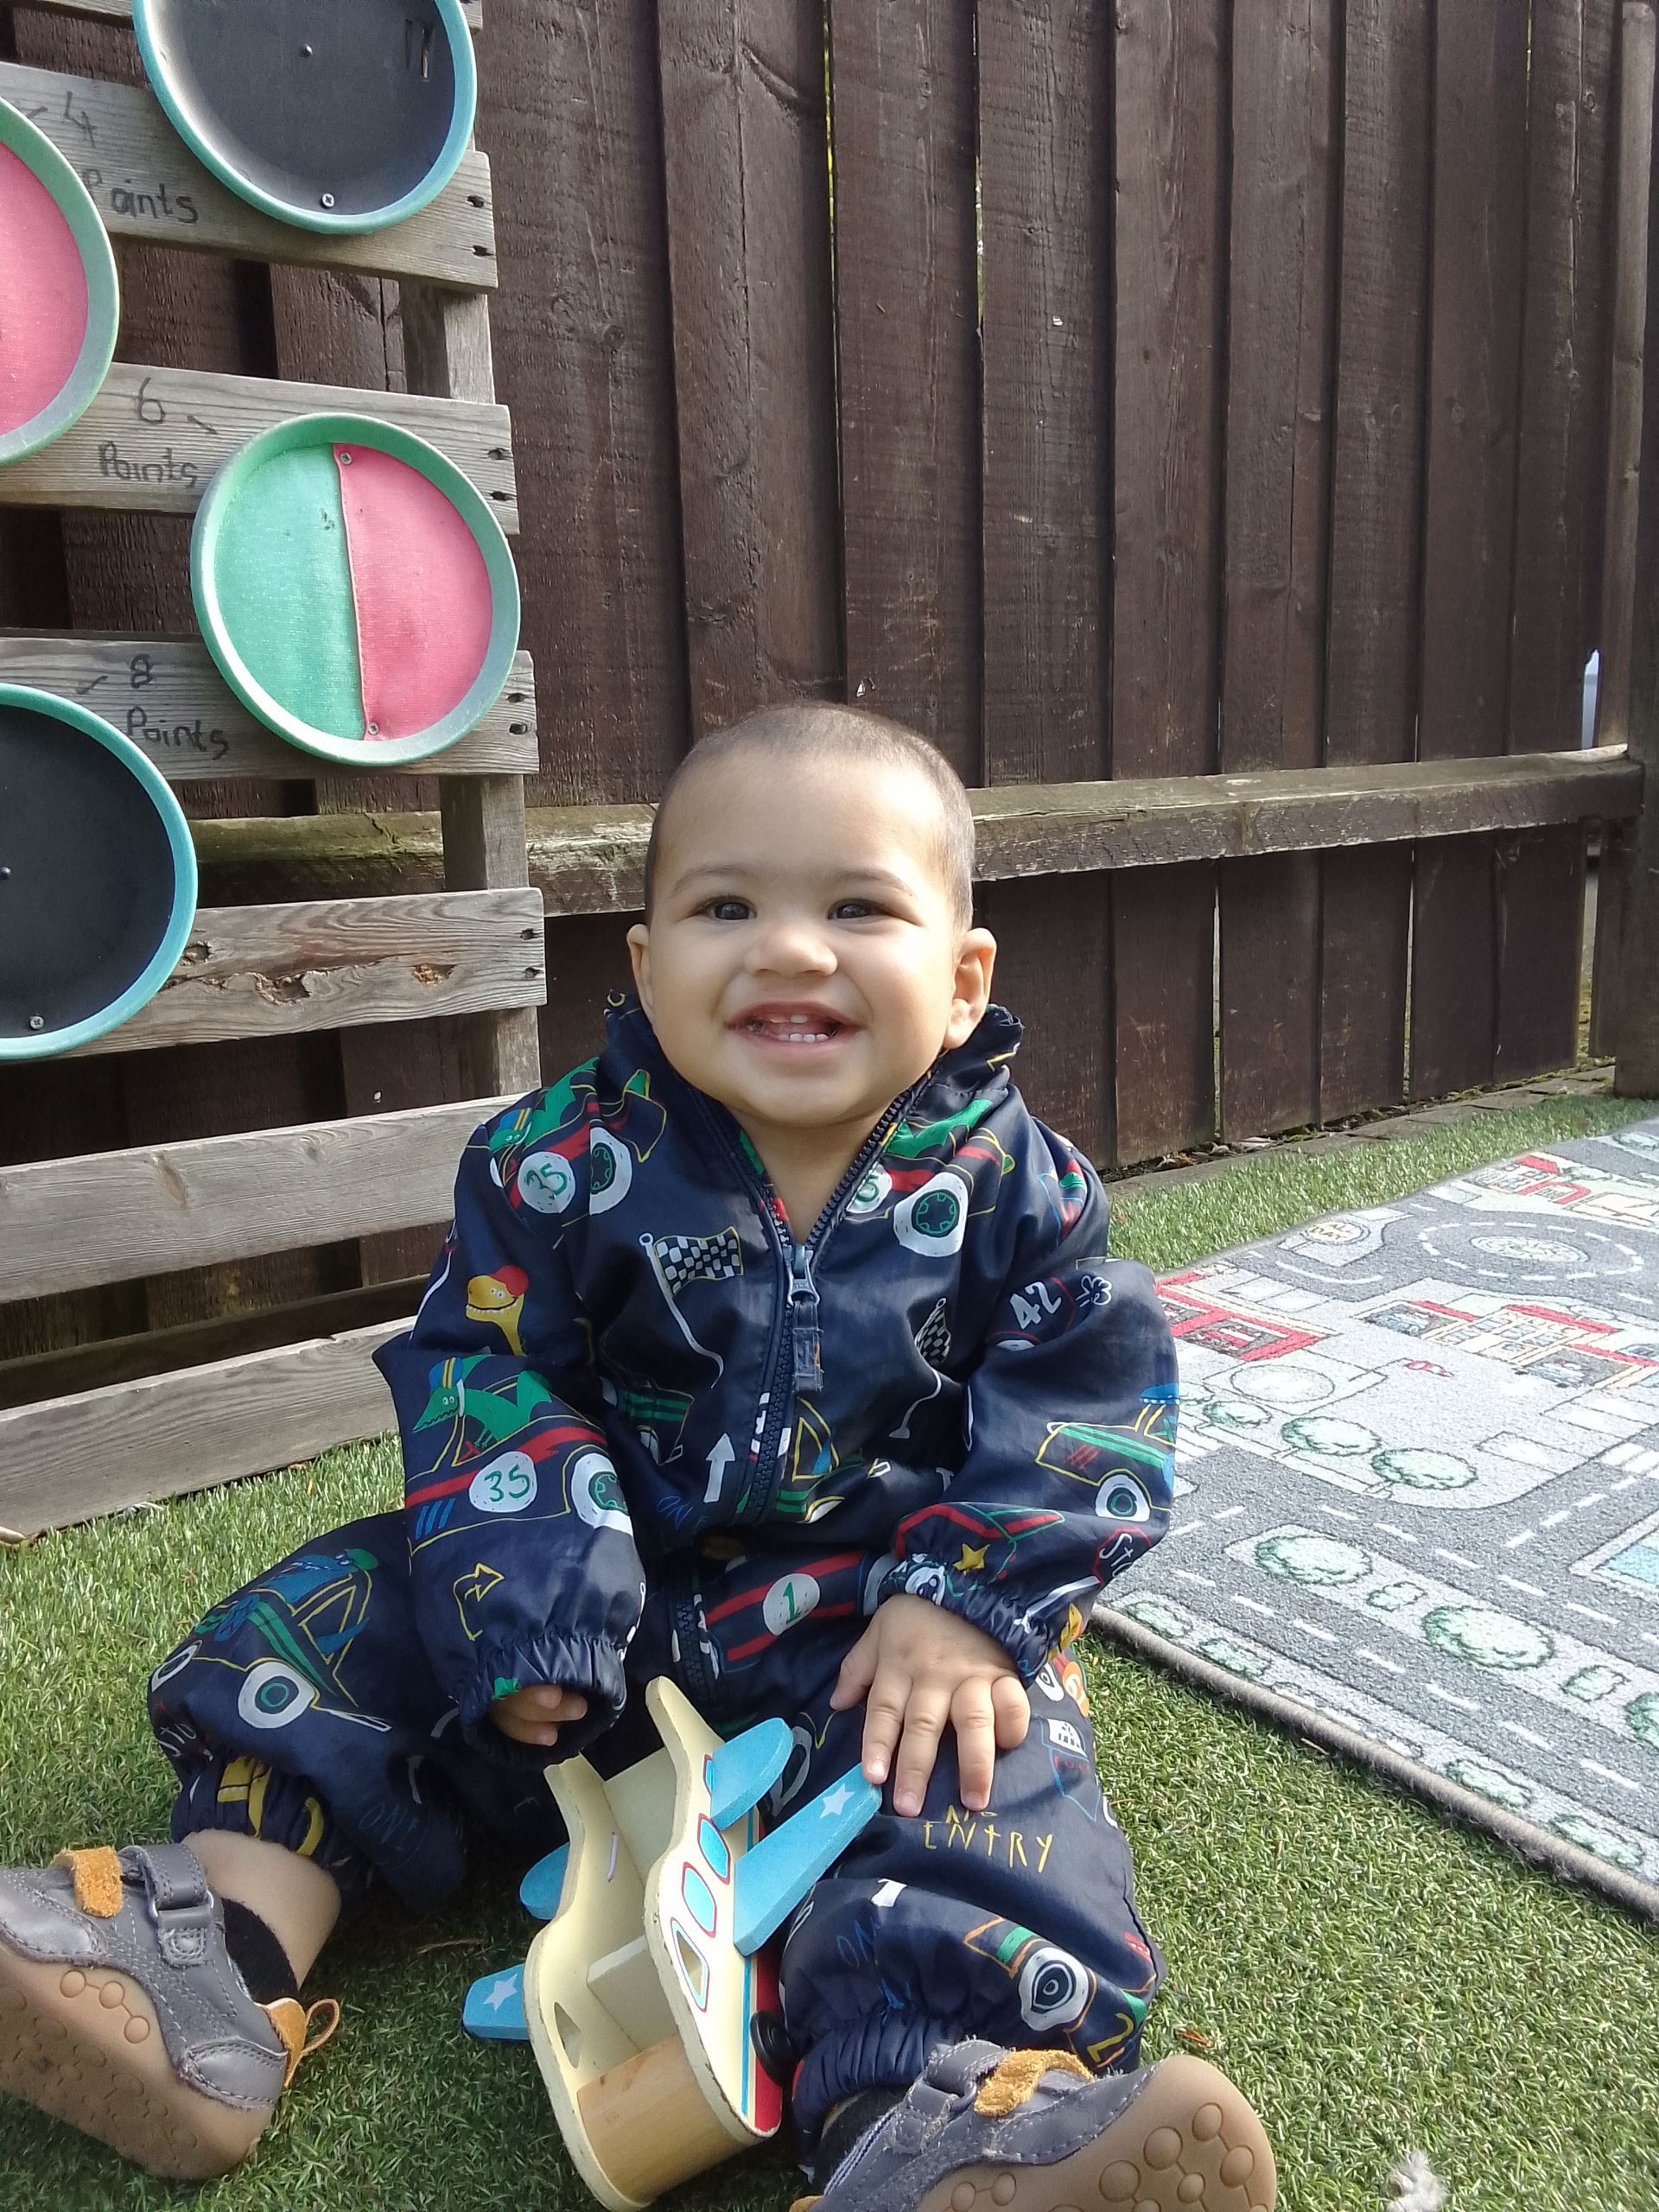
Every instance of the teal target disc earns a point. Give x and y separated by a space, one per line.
334 115
98 876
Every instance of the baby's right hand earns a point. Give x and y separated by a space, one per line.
533 1716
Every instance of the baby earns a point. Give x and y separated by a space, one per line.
777 1349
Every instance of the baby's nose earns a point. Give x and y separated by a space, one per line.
792 947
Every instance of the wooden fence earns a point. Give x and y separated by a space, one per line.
1189 412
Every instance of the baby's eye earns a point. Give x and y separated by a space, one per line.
852 910
727 910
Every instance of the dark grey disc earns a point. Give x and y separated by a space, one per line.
89 883
340 105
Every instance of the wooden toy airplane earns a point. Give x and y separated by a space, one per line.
646 1996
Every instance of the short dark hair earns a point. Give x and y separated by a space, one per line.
810 729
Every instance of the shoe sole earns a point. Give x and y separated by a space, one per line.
84 2045
1189 2143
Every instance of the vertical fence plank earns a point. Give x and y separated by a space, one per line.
1558 502
901 87
1277 481
1046 141
746 167
570 116
1376 523
1634 875
1469 525
1633 165
1045 155
1170 75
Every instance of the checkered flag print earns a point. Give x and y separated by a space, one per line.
933 1338
698 1259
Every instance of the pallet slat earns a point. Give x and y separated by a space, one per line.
147 184
66 1459
152 439
166 695
99 1217
277 970
121 10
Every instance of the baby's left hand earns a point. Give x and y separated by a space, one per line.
918 1666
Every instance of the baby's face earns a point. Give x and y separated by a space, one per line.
802 963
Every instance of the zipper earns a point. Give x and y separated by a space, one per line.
805 1343
794 1355
694 1665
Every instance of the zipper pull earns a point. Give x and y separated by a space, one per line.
804 1321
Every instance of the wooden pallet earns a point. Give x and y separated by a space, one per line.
474 948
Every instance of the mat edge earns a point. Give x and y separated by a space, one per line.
1537 1845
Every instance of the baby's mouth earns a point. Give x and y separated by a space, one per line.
806 1026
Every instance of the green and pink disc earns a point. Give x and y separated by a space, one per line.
60 305
355 589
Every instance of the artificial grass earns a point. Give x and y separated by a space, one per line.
1373 1978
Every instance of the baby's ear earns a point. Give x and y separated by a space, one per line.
976 962
640 954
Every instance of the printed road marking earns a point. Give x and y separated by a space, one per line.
1308 1628
1554 1520
1228 1513
1388 1529
1531 1588
1608 1774
1450 1697
1457 1559
1590 1613
1377 1660
1527 1735
1440 1618
1628 1482
1251 1605
1184 1574
1591 1497
1335 1513
1514 1543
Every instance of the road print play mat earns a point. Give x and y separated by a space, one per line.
1418 1492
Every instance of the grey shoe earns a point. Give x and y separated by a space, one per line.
986 2130
122 2013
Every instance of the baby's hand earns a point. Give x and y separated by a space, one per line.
533 1716
918 1667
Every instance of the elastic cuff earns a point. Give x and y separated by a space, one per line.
588 1663
882 2050
1027 1640
244 1796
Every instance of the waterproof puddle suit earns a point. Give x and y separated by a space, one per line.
646 1431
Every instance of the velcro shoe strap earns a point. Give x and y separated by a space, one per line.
949 2075
97 1877
180 1902
959 2067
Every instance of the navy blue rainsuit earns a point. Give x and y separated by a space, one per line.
646 1431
